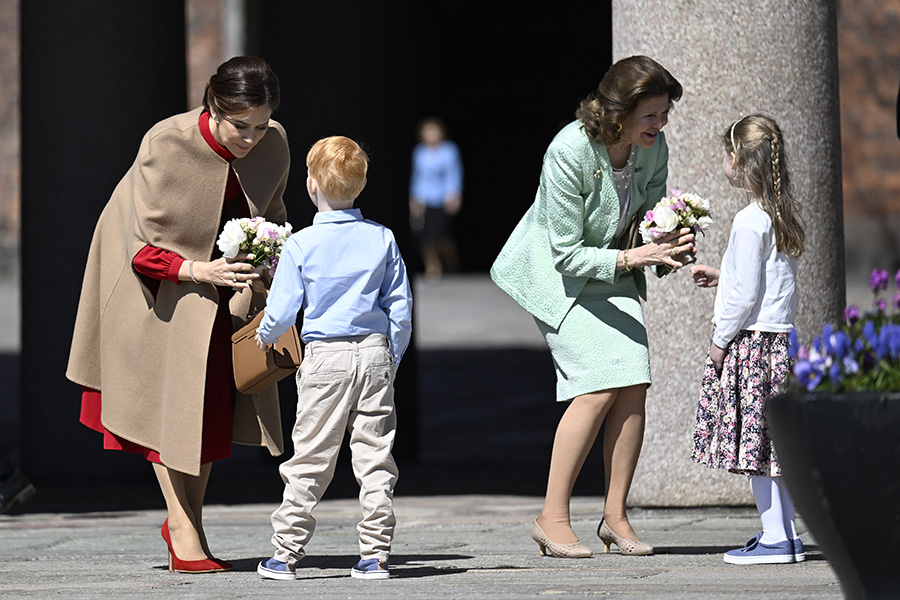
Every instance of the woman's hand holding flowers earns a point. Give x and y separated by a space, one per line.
673 250
234 272
681 212
250 248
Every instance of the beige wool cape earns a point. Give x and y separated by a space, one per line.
147 355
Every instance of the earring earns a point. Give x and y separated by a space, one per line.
619 128
214 118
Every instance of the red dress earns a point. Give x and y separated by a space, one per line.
154 264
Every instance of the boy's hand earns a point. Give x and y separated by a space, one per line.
261 344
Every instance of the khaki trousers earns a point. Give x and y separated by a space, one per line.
342 384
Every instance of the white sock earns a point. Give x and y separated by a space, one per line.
776 509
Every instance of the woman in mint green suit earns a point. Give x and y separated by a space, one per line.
570 264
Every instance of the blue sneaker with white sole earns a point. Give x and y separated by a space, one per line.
371 568
275 569
757 553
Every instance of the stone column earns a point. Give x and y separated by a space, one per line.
733 59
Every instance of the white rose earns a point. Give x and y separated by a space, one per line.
704 222
645 233
665 218
231 238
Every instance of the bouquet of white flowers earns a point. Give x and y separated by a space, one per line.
672 213
675 212
255 236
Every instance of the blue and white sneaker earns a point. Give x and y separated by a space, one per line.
275 569
372 568
755 552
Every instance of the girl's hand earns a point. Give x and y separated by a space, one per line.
717 356
227 272
705 276
674 250
261 344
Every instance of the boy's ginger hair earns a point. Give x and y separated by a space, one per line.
339 165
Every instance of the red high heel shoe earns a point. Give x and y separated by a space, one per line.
206 565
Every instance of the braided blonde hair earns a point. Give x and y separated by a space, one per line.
757 142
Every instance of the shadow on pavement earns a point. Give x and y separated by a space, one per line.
486 420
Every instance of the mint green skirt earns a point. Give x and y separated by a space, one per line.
601 343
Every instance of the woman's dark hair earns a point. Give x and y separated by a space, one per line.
623 86
241 84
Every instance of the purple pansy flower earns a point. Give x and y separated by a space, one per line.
878 280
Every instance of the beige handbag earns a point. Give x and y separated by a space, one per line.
256 371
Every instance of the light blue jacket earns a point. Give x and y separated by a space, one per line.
564 239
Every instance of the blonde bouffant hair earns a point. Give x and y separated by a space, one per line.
339 165
622 88
757 142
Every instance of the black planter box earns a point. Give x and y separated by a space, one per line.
840 458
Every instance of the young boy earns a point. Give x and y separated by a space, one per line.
347 275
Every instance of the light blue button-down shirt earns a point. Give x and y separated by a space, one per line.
348 277
437 173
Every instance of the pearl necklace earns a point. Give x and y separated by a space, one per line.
623 176
622 180
629 164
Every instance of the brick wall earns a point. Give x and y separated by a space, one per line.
869 74
9 123
204 45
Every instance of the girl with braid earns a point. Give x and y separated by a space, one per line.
748 361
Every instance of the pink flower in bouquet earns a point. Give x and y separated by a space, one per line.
674 212
255 236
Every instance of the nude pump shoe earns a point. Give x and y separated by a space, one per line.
548 548
626 547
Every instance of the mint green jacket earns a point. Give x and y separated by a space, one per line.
564 239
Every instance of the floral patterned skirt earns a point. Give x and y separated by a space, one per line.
732 432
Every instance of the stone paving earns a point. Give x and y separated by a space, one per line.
464 511
470 546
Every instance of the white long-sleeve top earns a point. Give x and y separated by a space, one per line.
757 284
